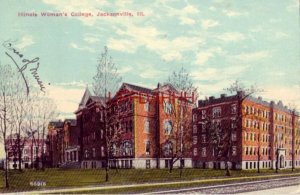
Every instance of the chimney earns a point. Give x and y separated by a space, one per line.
211 98
158 85
259 98
223 95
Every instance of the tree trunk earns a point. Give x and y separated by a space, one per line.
227 169
19 154
6 168
106 169
171 166
258 161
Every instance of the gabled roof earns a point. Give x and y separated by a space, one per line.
135 88
85 98
95 99
166 87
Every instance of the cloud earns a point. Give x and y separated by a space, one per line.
121 45
287 94
75 46
186 20
26 41
150 73
90 38
125 69
206 24
189 9
231 37
66 96
203 56
231 13
246 57
154 40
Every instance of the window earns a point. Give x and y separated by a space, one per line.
216 112
195 139
195 152
94 152
146 126
233 109
195 129
233 136
167 127
102 151
203 138
203 153
233 123
194 117
147 147
127 148
168 148
203 114
233 150
86 154
167 107
203 127
148 164
146 106
101 133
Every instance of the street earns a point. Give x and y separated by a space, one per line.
277 186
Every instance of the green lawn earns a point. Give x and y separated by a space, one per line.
20 181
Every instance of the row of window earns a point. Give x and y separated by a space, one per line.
264 165
204 153
257 125
251 136
254 150
216 112
257 112
87 153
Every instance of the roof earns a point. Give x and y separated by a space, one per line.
97 98
137 88
71 121
84 98
56 124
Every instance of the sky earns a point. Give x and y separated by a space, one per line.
217 41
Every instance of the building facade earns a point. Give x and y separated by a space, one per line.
91 131
32 151
255 133
145 121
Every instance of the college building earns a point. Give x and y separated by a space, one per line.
255 133
134 129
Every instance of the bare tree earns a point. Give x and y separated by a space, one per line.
19 111
106 83
177 131
6 92
40 112
107 79
9 87
181 123
182 82
113 132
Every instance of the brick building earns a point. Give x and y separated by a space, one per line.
31 152
90 131
260 133
145 121
54 144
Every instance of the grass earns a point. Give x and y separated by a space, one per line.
59 178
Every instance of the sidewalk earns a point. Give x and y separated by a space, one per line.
158 184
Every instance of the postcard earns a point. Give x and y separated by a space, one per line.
163 96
